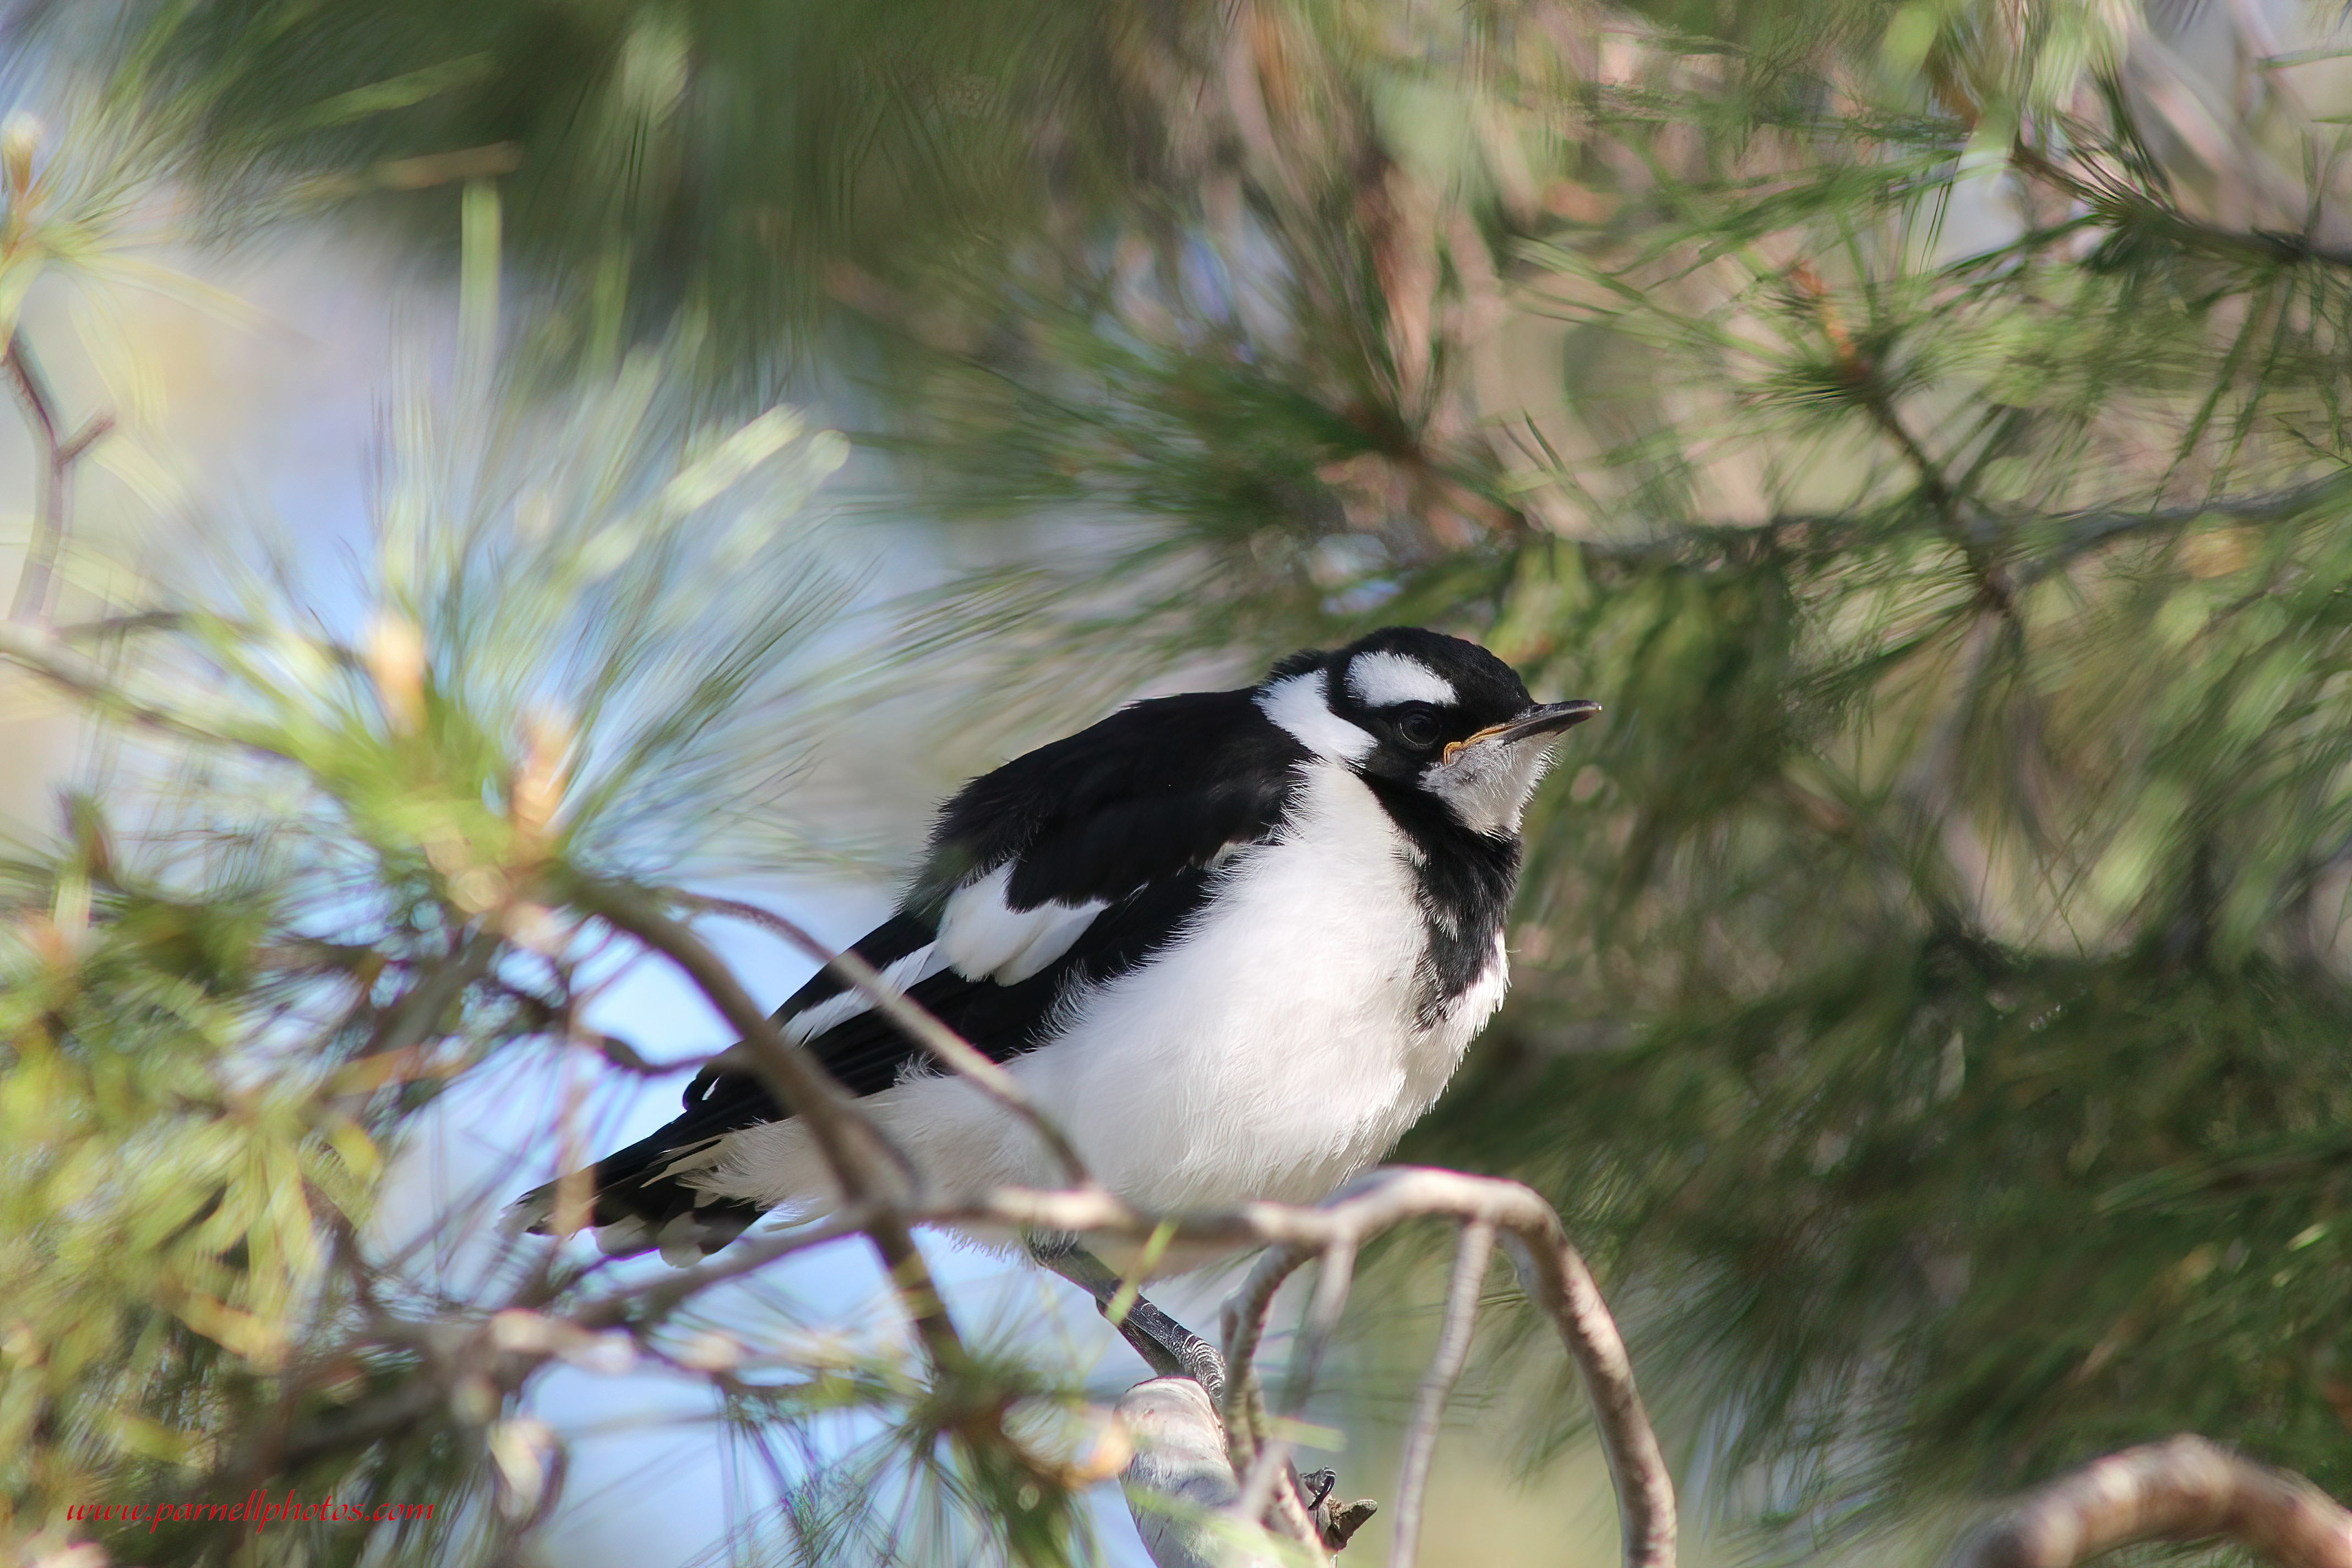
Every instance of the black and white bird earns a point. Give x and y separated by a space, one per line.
1233 943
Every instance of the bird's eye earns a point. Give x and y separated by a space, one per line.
1417 727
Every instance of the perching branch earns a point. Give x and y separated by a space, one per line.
1251 1457
1211 1490
2186 1489
59 453
1180 1486
1550 1271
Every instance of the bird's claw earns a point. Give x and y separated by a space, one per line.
1336 1522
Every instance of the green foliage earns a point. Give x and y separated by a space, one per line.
1921 426
1929 981
742 160
334 873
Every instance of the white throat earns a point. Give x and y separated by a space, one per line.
1487 786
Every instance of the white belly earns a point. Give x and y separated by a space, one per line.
1271 1052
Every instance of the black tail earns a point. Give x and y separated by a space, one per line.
635 1207
637 1203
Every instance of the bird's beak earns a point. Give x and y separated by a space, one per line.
1545 719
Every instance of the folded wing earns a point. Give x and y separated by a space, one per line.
1061 869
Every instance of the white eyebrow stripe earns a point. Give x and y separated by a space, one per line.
1299 706
1385 679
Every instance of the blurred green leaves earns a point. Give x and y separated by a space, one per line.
323 879
744 161
1920 424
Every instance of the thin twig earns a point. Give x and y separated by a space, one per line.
51 660
1861 373
58 455
340 1431
918 1023
417 1015
854 1150
802 1087
134 621
2112 200
660 1295
1554 1274
2183 1490
1243 1318
543 1014
2086 531
1470 1258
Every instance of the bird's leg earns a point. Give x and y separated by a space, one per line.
1167 1346
1171 1350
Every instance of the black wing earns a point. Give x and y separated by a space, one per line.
1131 812
1148 792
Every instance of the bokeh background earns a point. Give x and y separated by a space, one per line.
1920 424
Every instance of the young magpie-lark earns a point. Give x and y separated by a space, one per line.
1233 943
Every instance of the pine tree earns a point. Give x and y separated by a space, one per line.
1919 425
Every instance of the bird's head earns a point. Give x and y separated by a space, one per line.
1429 712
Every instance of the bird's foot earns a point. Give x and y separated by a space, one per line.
1169 1348
1337 1522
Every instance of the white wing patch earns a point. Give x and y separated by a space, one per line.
984 938
1385 679
920 964
1302 705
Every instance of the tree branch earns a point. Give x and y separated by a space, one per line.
1189 1502
2122 206
853 1147
2186 1489
1245 1324
2086 531
1858 370
1476 1247
58 454
1550 1271
1180 1485
45 655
